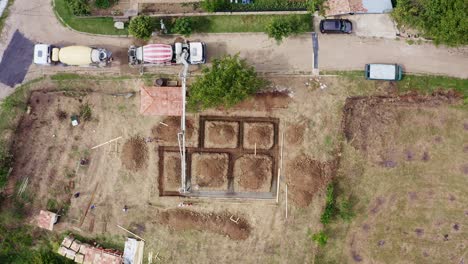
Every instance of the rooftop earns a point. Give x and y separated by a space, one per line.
161 101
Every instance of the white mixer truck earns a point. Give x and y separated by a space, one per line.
45 54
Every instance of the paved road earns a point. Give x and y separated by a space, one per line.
36 20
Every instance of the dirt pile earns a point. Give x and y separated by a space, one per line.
179 219
210 170
295 134
167 130
134 153
306 177
259 134
253 173
220 134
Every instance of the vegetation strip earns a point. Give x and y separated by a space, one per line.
100 25
5 14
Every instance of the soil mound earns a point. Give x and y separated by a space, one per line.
167 132
179 219
295 134
210 170
134 153
219 134
260 134
253 172
305 177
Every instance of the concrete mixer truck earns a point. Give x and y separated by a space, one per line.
165 54
45 54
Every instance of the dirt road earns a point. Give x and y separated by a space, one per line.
35 19
343 52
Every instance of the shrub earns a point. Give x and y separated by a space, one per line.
330 208
271 5
102 4
183 25
6 159
345 210
317 5
79 7
215 5
229 81
85 112
141 27
320 238
283 27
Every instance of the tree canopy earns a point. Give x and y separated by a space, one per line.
444 21
141 27
283 27
227 82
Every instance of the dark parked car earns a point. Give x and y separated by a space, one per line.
336 26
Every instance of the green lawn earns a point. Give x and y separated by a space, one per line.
247 23
5 15
421 83
103 26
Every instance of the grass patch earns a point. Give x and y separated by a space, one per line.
102 25
247 23
5 14
425 84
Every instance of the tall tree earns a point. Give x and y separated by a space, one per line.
227 82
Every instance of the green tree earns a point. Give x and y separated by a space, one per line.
320 238
183 25
141 27
215 5
229 81
444 21
283 27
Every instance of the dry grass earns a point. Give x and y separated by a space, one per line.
405 212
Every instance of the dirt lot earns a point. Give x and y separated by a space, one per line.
210 171
253 173
420 165
403 164
220 134
258 135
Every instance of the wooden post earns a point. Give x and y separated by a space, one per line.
278 185
255 149
286 201
130 232
100 145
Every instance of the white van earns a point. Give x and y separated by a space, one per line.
386 72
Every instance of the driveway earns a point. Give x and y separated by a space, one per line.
36 20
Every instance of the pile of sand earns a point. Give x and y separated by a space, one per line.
134 153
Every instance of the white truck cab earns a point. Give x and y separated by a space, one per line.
42 54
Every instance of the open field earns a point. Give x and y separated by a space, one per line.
400 157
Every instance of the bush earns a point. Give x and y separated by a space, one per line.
330 207
271 5
445 22
6 160
183 25
215 5
85 112
229 81
102 4
79 7
283 27
317 5
141 27
345 210
320 238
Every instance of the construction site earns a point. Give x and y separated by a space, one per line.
255 177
